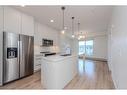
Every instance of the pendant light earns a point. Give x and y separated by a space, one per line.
73 27
80 35
63 30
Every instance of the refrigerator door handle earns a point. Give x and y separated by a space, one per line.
21 66
18 51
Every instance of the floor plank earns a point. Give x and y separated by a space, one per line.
91 75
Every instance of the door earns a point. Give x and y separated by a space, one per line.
11 57
26 55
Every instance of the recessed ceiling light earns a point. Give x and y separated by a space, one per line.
51 20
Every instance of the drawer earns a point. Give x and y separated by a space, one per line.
37 68
37 62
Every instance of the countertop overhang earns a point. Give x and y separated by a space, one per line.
57 57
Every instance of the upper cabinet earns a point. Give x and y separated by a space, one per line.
27 27
1 19
12 20
18 22
1 47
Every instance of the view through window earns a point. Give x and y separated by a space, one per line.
86 47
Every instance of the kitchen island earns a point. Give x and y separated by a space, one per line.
57 71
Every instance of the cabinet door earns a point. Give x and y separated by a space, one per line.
12 20
37 62
27 25
1 19
1 45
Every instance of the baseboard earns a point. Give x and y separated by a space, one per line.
96 59
114 81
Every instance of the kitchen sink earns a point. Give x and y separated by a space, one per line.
65 55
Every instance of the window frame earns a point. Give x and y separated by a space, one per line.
85 47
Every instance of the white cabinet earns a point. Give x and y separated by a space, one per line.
1 45
27 25
18 22
37 62
12 20
1 19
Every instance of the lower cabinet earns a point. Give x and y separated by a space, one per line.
37 63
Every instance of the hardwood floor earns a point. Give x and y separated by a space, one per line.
91 75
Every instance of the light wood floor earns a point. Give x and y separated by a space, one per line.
91 75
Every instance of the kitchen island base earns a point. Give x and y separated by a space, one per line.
57 71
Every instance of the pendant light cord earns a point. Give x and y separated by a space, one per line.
63 19
78 29
63 8
72 25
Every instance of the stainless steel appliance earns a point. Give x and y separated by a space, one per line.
46 42
18 56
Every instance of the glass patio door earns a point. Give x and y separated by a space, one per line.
86 47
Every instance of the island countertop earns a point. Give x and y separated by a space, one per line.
57 57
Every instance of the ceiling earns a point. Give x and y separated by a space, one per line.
91 18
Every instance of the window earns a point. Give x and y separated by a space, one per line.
81 47
86 48
89 47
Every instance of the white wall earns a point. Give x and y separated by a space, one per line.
66 40
43 31
100 44
100 47
118 47
75 46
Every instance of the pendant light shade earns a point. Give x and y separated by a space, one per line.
63 30
73 27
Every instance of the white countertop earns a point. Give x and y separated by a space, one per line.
57 57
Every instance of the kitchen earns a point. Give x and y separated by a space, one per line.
15 22
63 47
53 49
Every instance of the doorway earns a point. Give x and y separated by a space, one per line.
86 47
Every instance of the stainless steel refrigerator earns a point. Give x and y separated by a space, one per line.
18 56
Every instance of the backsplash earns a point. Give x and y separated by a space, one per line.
38 49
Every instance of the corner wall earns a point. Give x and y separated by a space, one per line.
117 37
